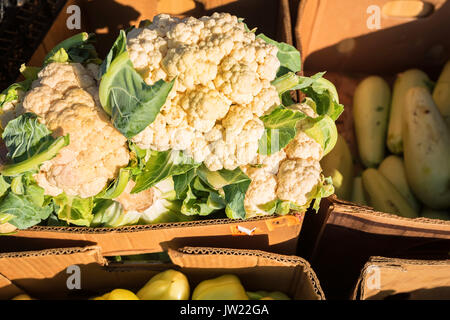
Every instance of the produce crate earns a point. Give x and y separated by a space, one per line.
334 36
404 279
42 273
269 233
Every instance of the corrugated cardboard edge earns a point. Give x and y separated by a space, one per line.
183 257
277 230
45 264
133 228
359 291
29 264
364 218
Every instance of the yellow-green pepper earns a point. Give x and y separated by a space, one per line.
266 295
118 294
22 296
226 287
167 285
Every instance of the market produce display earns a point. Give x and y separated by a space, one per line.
182 119
174 285
414 180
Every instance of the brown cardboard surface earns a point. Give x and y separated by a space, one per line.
36 264
366 219
8 289
290 274
301 279
387 278
346 236
279 234
273 233
47 264
333 36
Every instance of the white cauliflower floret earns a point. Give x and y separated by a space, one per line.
266 100
267 59
223 75
247 141
190 65
199 149
238 82
180 136
296 179
136 201
215 133
63 76
303 147
154 136
237 149
260 191
61 98
204 107
147 205
146 49
270 163
236 119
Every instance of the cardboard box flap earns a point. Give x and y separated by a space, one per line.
367 219
251 260
189 257
270 233
44 274
382 278
29 264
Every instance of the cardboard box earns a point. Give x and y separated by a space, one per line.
43 273
275 234
404 279
346 236
350 41
271 233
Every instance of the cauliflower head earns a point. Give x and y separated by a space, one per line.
223 85
290 174
64 97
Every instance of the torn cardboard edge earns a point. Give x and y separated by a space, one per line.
382 277
296 272
348 214
49 252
